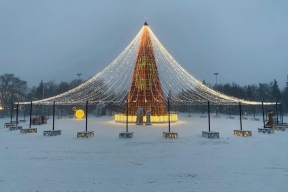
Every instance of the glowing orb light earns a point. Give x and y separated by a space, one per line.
79 113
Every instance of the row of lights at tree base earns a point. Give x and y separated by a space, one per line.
121 118
170 135
242 133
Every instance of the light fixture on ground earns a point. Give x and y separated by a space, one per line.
126 134
29 130
52 132
209 134
86 133
16 127
242 132
11 123
265 129
170 135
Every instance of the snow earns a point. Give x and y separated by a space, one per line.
147 162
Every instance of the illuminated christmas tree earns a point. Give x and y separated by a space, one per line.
145 89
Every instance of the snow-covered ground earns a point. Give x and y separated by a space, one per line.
147 162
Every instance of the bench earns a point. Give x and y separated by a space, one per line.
126 134
230 117
210 134
255 119
216 117
52 133
31 130
85 134
170 135
203 116
242 133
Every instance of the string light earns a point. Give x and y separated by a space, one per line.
112 84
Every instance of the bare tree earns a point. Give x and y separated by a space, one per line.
11 89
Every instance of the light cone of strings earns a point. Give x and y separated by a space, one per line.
114 83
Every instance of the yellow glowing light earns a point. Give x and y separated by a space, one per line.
154 119
79 113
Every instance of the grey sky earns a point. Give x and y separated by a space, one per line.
244 41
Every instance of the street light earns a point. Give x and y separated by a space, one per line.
216 76
79 74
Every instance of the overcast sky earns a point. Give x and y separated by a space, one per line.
244 41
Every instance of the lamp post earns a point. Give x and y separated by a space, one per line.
216 76
78 83
17 110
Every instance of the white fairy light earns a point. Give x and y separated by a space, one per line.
111 85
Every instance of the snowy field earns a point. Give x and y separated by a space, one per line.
147 162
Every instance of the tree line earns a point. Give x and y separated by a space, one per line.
13 89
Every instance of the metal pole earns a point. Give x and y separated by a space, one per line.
282 113
263 114
169 113
53 113
43 97
127 115
240 115
277 112
11 113
209 115
17 110
24 112
229 110
189 109
86 113
266 112
30 115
